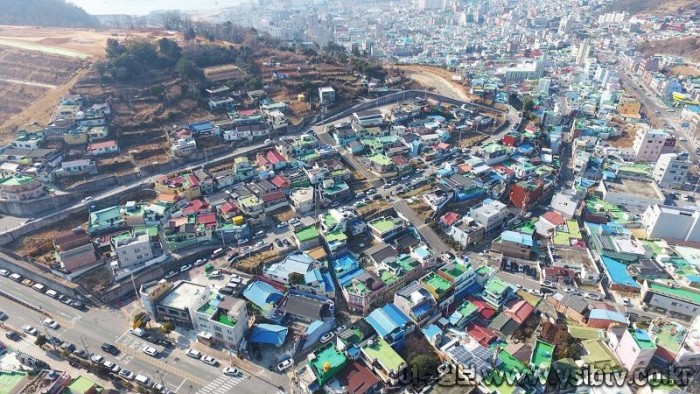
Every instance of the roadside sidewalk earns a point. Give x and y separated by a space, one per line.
26 345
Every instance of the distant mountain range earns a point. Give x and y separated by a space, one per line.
52 13
653 7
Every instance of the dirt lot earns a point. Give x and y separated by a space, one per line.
439 78
40 245
254 263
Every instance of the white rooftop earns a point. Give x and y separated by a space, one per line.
186 295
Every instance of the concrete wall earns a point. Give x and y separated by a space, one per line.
34 208
39 274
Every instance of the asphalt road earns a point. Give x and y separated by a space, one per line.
178 372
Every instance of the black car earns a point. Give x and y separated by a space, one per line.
81 353
54 341
13 335
78 305
67 346
109 348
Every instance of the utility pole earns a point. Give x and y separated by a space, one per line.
51 339
136 291
82 340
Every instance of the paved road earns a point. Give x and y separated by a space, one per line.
177 371
427 233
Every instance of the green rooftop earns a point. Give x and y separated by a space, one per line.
509 363
226 320
327 363
676 292
467 308
668 336
208 309
356 287
329 220
17 180
453 270
597 205
335 236
492 147
598 355
306 234
407 262
388 277
542 355
380 160
384 225
564 235
580 332
12 381
83 385
381 351
436 283
496 286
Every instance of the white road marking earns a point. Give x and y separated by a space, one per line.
121 336
180 386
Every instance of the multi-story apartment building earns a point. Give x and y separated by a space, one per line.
671 169
677 223
132 248
649 144
20 188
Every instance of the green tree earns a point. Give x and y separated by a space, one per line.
40 340
528 104
190 34
167 327
114 48
189 71
169 49
423 366
296 278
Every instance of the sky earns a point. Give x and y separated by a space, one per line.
143 7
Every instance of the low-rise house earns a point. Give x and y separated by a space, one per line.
77 167
292 269
303 199
497 292
307 237
467 231
383 360
306 309
132 248
74 250
178 303
635 349
105 220
21 188
391 325
263 296
386 228
603 318
417 303
103 148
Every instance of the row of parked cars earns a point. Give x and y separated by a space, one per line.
209 360
43 289
124 373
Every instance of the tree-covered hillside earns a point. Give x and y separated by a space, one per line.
55 13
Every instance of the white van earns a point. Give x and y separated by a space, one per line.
16 277
137 331
143 380
52 293
217 253
39 287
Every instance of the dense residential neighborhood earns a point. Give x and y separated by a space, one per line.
509 203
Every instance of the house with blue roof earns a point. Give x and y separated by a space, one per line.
268 334
391 324
603 318
514 244
301 271
433 334
263 296
618 275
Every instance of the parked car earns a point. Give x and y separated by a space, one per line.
97 359
370 191
209 360
215 274
151 351
109 348
30 330
549 284
185 268
327 337
50 323
170 274
3 315
405 177
194 353
126 374
592 296
78 305
200 262
282 225
284 365
286 243
88 198
80 353
13 335
231 371
626 301
340 329
4 272
112 367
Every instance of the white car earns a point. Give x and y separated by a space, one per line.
282 225
114 368
86 199
326 337
592 296
50 323
96 358
284 365
194 353
151 351
209 360
126 374
231 371
626 301
340 329
30 330
186 268
4 272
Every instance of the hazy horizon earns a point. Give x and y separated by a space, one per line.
140 7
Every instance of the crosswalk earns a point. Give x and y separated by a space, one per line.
221 385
